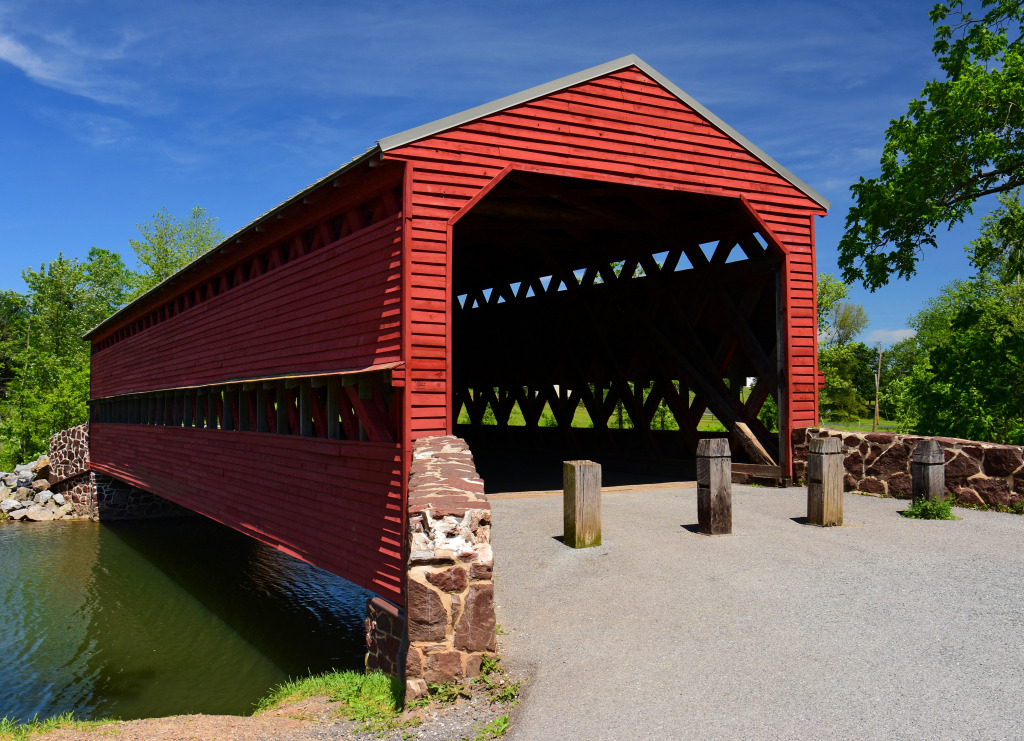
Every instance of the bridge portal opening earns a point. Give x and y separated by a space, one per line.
612 322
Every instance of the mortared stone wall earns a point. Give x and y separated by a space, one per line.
450 591
879 463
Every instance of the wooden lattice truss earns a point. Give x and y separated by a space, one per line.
574 293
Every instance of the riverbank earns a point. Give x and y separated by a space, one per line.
471 713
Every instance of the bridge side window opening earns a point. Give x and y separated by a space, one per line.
351 406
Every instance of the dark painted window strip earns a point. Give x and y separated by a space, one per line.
352 406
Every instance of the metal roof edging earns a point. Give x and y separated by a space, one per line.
632 60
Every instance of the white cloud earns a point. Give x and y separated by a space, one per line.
888 336
60 62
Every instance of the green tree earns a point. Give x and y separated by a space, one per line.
844 363
46 362
999 250
971 383
168 243
904 366
962 139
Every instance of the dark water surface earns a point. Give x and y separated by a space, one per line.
161 617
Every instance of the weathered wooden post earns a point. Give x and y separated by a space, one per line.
825 482
581 486
714 487
928 472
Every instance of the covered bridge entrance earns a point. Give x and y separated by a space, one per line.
599 239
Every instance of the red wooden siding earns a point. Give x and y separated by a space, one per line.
349 521
622 127
335 308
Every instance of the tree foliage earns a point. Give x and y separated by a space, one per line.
168 243
845 364
47 386
969 380
962 139
44 362
963 374
999 250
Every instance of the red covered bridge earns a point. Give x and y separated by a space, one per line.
599 239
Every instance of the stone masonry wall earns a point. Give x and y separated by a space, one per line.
69 469
385 637
116 500
450 592
879 463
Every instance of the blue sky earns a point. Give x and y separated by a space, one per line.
114 109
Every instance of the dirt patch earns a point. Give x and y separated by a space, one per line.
313 719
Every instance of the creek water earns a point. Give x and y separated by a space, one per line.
161 617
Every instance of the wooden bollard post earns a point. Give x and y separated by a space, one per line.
928 472
825 482
714 487
581 486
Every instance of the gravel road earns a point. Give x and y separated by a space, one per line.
884 628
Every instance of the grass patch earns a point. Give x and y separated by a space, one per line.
13 731
1015 508
495 729
373 699
500 689
922 509
862 424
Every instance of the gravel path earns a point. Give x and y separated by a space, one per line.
884 628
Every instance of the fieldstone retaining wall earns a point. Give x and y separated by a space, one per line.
450 592
69 469
116 500
69 453
879 463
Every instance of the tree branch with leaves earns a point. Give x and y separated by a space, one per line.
961 140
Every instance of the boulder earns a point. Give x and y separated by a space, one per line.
25 492
24 467
44 496
65 509
41 467
9 504
17 514
59 499
40 485
37 513
26 480
10 479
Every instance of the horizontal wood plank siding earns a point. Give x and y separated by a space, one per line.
349 521
624 128
335 308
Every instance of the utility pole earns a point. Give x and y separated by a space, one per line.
878 379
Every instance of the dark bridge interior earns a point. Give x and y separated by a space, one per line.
603 321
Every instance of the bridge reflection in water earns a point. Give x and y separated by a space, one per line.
162 617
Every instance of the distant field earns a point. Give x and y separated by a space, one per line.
663 418
861 425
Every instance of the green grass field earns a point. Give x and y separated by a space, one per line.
663 418
861 425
